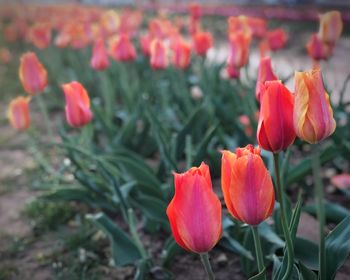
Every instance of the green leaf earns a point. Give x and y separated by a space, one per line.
337 247
269 235
170 250
306 251
233 245
260 276
334 212
124 250
306 273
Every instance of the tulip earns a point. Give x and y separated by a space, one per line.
202 41
277 38
265 73
195 10
181 54
32 74
317 49
77 108
331 26
40 35
232 71
239 49
275 126
145 44
5 56
247 185
18 113
99 60
158 58
195 211
122 49
341 181
313 115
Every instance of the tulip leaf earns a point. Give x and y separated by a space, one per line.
306 252
306 273
337 247
334 212
269 235
260 276
124 250
170 250
233 245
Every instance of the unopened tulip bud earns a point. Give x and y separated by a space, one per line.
18 113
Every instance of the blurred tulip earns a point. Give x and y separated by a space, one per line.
195 211
239 49
232 71
99 60
331 26
195 10
181 54
32 74
194 26
245 121
202 42
5 56
18 113
275 127
313 115
247 185
341 181
265 73
158 58
317 49
77 108
145 44
122 49
40 35
10 33
277 38
257 26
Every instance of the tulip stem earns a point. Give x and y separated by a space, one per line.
206 263
287 236
258 250
44 112
134 233
320 213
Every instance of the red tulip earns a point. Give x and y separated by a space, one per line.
277 38
275 127
247 185
159 58
40 35
313 115
18 113
331 26
78 111
202 42
195 10
265 73
195 211
32 74
232 71
181 54
122 49
145 43
239 49
317 49
99 60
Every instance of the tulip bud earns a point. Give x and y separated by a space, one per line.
313 115
18 113
247 185
195 211
145 43
239 49
77 108
317 49
265 73
277 39
232 71
99 60
40 35
122 49
181 54
32 74
202 42
275 127
158 59
331 26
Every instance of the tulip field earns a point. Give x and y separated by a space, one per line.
196 141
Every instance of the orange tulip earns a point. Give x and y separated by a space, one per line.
275 127
313 115
181 54
331 26
158 58
99 60
195 211
122 49
277 38
202 42
265 73
239 49
317 49
5 56
40 35
247 185
77 108
18 113
32 74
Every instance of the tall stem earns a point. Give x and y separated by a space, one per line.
258 250
44 112
280 194
134 233
206 263
320 213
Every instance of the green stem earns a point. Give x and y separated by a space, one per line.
280 193
44 112
134 233
320 212
206 263
258 250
